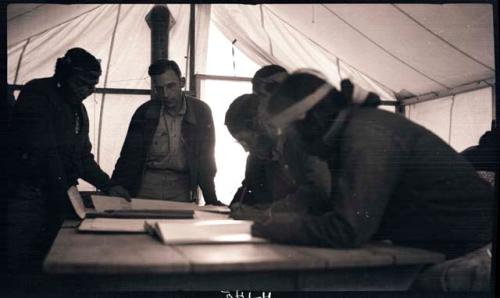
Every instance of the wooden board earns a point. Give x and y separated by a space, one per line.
74 252
247 257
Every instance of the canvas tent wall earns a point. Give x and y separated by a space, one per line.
401 51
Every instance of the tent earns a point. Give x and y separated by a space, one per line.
436 60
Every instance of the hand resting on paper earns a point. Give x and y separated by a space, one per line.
119 191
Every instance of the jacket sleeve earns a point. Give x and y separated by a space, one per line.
207 159
363 183
254 186
36 138
129 165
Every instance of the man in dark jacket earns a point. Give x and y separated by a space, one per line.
51 150
169 148
391 178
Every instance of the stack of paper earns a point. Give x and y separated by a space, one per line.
203 231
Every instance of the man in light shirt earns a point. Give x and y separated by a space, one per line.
169 148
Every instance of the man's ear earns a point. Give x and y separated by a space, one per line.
183 82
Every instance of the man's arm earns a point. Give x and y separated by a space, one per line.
207 159
129 164
363 184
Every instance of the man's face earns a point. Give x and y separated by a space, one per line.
79 86
257 144
167 87
265 87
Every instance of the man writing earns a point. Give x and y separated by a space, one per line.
392 179
279 174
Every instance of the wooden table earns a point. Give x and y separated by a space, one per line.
140 262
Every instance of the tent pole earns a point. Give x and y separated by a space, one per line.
158 20
192 80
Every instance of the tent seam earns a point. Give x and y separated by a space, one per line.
384 49
24 13
55 26
101 112
336 56
263 27
441 38
20 60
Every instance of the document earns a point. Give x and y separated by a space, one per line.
203 231
103 203
115 214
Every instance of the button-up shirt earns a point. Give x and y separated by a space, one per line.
166 175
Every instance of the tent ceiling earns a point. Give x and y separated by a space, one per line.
411 49
419 48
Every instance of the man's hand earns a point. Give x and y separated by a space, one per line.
217 203
119 191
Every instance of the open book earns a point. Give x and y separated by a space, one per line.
203 231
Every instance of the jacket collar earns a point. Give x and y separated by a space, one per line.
190 115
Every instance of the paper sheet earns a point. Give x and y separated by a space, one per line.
112 225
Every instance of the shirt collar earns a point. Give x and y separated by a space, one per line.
179 113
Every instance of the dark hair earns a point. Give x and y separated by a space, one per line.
76 58
295 88
161 66
268 70
242 113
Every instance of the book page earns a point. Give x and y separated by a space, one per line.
206 231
